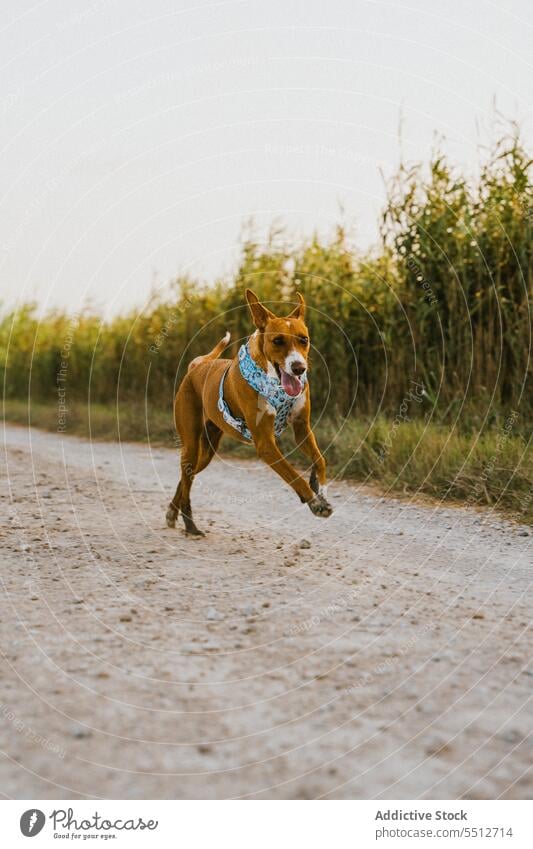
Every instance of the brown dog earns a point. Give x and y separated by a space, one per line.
250 398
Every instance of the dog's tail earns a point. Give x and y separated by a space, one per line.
212 355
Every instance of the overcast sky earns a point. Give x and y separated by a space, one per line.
138 137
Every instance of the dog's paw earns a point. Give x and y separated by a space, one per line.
171 517
320 507
193 531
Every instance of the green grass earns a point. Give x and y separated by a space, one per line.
492 469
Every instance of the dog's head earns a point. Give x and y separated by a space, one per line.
285 341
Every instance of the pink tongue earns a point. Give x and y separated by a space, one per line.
292 385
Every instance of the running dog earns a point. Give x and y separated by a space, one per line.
250 398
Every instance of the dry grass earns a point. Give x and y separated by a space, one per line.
494 469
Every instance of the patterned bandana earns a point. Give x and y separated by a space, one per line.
268 387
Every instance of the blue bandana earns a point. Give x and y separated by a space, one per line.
268 387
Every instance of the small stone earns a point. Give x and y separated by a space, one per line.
523 533
438 748
80 732
214 615
204 748
304 543
24 547
512 736
125 618
478 616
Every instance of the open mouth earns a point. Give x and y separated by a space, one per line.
291 384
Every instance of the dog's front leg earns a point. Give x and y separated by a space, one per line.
306 441
268 451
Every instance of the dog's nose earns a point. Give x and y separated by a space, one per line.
297 368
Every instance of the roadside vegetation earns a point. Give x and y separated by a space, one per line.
421 348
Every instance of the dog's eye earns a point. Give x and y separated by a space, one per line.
304 340
279 340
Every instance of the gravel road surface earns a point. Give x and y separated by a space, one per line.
381 653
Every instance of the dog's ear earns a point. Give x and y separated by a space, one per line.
299 311
260 314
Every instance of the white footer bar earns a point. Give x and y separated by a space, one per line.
268 824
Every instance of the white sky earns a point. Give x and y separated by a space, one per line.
138 137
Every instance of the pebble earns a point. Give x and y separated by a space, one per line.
214 615
304 543
512 736
80 732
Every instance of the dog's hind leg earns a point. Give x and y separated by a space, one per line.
174 508
195 458
189 462
209 442
189 424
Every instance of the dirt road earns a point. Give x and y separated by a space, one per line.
380 653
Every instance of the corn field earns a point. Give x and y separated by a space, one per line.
442 303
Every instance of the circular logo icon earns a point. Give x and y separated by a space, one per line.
32 822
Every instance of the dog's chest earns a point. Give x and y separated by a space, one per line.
298 406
